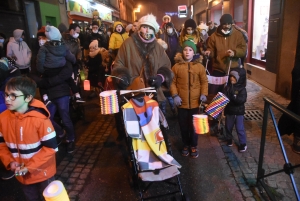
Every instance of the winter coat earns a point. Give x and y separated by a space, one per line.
29 138
95 36
133 55
172 42
237 94
96 71
116 39
73 45
53 56
189 83
218 44
184 36
19 50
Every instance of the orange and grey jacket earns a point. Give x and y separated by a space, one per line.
29 138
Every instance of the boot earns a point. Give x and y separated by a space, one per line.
296 144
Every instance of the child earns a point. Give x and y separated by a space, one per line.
235 109
27 140
189 88
53 55
117 38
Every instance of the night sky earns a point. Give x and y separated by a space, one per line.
163 6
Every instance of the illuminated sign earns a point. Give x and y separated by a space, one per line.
182 11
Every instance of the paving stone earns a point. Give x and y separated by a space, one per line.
71 181
75 175
247 193
83 175
73 194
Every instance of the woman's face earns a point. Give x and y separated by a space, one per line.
146 32
189 30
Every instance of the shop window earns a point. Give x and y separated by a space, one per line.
260 29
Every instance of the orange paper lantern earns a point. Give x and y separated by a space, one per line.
86 85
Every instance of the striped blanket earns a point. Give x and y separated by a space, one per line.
141 120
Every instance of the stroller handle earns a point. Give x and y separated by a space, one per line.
148 89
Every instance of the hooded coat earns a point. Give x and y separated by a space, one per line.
189 83
236 93
116 38
218 44
29 138
53 56
19 49
133 55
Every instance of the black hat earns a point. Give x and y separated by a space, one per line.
190 23
95 23
169 24
226 19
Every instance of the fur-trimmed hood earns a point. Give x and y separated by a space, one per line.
196 59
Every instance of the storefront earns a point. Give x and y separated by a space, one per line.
215 10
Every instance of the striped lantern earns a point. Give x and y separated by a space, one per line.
109 102
200 123
217 105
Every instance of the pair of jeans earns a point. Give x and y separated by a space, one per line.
185 120
238 121
62 105
34 192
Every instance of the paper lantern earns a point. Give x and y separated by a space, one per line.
109 102
217 105
56 191
82 75
200 123
86 85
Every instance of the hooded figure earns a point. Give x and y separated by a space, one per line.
19 49
2 46
118 36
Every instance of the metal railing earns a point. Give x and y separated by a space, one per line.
288 168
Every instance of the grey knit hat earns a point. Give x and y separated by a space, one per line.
235 74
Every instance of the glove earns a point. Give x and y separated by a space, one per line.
177 100
156 81
203 98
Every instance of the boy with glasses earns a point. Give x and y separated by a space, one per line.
27 138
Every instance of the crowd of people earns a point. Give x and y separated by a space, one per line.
170 61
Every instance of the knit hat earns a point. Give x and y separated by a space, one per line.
166 16
41 32
94 44
170 24
226 19
203 26
149 20
95 13
190 43
190 23
95 23
129 27
235 74
52 33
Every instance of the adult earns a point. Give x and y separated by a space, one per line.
2 45
190 31
211 28
18 49
166 19
225 55
134 27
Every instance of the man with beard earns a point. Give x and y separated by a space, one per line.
95 35
224 45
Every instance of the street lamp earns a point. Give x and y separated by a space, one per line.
136 10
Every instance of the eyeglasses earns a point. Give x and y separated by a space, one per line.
12 96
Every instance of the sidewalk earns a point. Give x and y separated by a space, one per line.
98 168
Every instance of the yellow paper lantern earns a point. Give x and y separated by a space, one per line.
56 191
86 85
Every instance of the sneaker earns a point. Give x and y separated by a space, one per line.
229 143
242 148
47 102
79 100
194 152
8 175
185 151
71 147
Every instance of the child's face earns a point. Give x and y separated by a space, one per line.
119 28
232 80
16 101
166 20
188 53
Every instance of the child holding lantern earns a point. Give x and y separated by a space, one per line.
189 88
27 140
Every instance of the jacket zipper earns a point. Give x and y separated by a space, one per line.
189 83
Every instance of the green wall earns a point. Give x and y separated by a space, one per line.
51 12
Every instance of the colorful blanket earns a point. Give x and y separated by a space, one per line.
149 145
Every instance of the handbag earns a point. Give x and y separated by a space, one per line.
138 82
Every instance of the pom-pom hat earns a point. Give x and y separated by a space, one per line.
52 33
149 20
203 26
189 43
190 23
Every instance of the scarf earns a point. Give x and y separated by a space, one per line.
94 53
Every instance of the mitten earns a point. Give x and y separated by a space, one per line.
177 100
203 98
156 81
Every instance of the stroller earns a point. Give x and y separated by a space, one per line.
149 149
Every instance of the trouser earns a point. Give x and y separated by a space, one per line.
238 121
62 105
34 192
185 120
